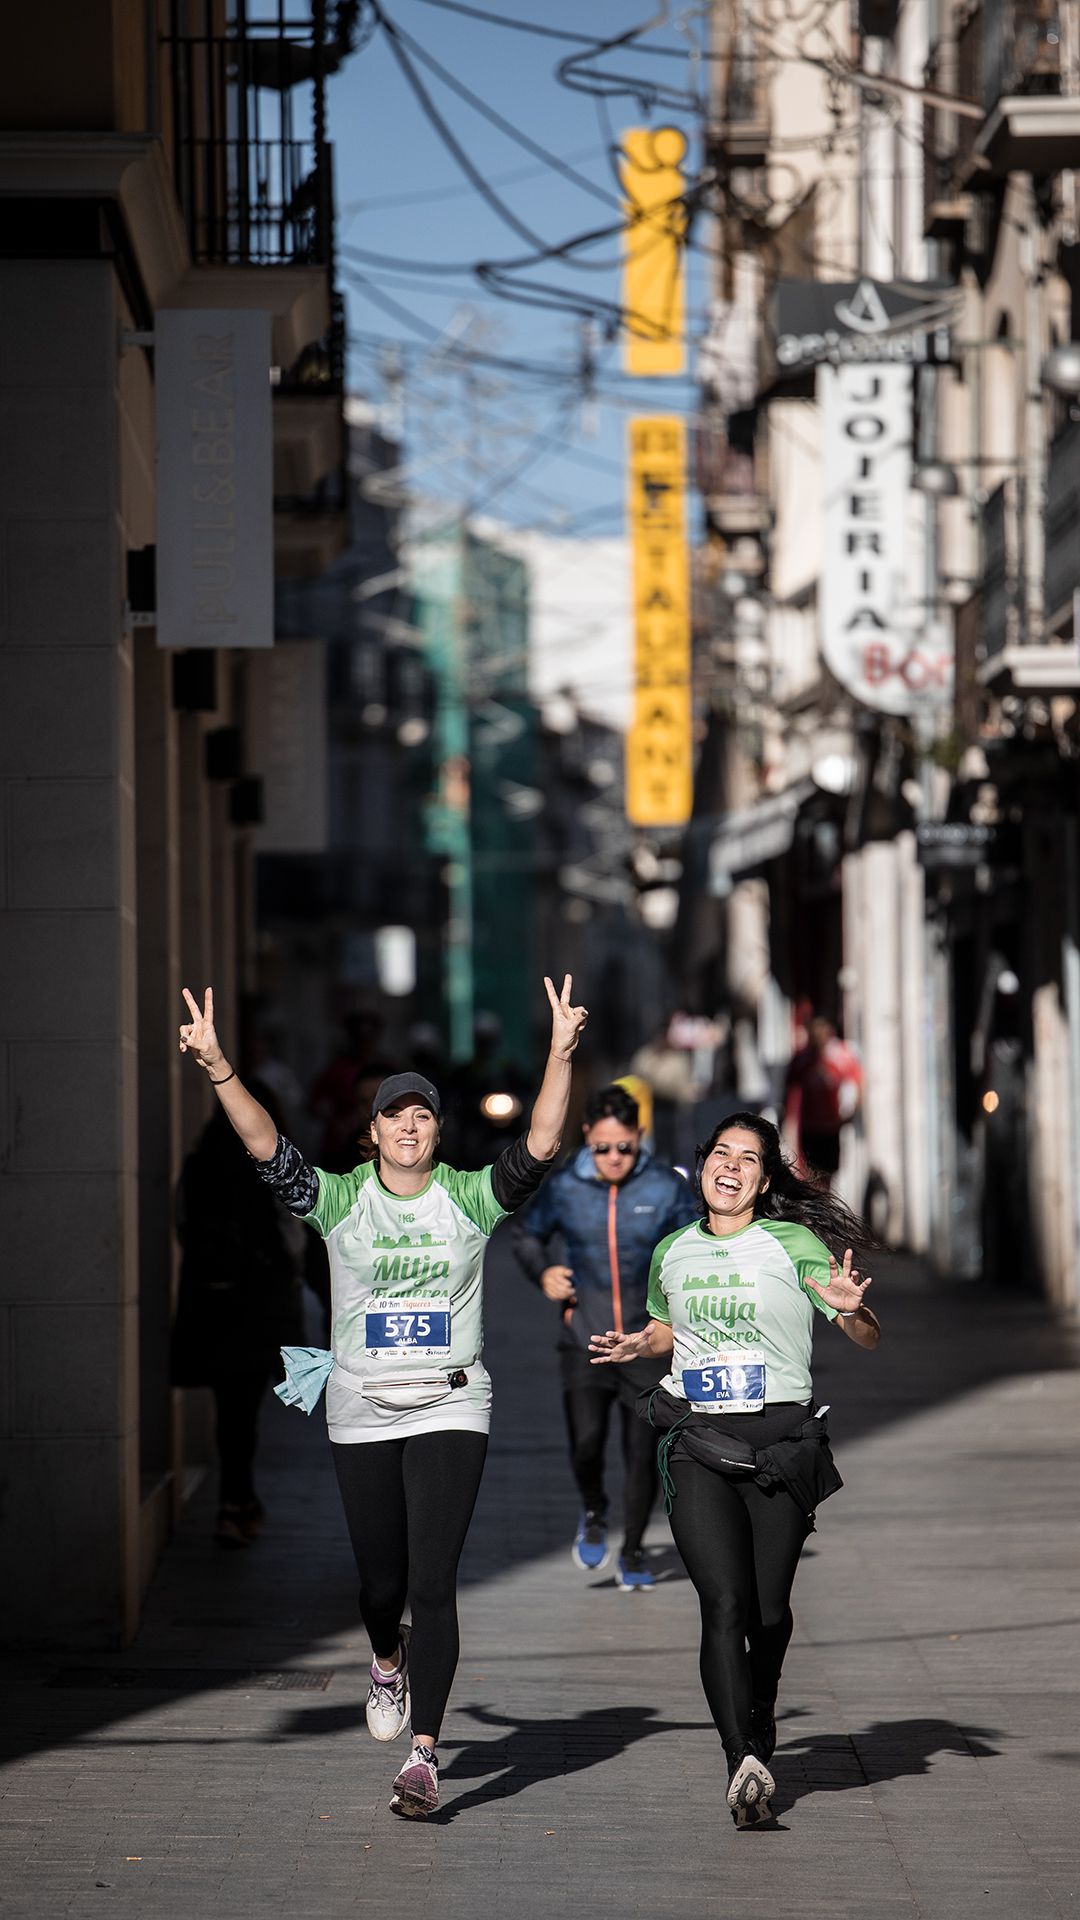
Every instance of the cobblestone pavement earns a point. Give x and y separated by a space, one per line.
929 1754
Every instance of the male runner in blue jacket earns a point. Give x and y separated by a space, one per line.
609 1207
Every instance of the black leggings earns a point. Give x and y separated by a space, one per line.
408 1504
589 1394
740 1544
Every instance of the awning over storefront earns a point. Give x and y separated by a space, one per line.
753 836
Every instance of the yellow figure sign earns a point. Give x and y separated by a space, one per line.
654 248
659 770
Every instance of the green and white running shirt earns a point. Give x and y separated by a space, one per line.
407 1287
741 1313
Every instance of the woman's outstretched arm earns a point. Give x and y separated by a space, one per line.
250 1120
553 1100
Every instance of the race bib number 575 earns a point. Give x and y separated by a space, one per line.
409 1326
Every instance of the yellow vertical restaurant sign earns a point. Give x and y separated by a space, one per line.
659 770
654 250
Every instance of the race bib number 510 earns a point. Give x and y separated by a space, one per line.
409 1326
726 1385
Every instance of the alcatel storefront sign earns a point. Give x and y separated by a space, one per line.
214 474
876 634
846 322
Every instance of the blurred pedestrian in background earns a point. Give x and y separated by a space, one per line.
270 1067
333 1096
822 1091
605 1213
239 1303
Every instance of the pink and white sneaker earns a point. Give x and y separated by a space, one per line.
416 1789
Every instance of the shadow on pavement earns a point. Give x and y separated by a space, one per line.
279 1605
888 1750
533 1751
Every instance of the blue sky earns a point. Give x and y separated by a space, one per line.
400 194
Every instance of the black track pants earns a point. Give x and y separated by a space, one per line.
740 1544
408 1504
589 1394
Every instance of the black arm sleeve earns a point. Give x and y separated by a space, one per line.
288 1175
516 1175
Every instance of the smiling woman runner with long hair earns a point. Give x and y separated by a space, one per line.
744 1453
408 1399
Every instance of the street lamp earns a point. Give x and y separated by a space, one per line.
937 479
1060 371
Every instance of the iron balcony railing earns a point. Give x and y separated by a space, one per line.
245 111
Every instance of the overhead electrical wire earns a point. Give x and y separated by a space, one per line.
565 34
491 114
449 139
425 196
649 94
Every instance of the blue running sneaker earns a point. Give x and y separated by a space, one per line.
590 1550
634 1576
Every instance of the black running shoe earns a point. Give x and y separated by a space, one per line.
763 1730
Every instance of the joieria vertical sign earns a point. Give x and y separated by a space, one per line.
877 636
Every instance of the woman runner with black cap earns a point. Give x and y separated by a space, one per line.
408 1397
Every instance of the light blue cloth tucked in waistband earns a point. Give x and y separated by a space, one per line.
306 1373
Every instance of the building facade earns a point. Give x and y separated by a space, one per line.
152 158
886 808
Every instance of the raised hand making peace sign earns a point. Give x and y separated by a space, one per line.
567 1022
198 1037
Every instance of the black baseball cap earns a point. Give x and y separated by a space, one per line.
395 1088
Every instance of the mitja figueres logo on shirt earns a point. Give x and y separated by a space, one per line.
407 1261
716 1314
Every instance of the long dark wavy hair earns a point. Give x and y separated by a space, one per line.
789 1197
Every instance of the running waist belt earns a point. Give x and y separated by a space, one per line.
801 1461
307 1370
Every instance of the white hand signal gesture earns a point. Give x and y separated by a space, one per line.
197 1036
567 1022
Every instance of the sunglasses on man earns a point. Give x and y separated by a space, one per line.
623 1147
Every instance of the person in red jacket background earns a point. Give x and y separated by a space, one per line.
822 1091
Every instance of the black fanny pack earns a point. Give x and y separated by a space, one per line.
801 1462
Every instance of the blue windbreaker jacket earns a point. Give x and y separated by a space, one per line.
607 1236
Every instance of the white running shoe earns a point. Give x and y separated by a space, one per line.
416 1789
387 1710
750 1790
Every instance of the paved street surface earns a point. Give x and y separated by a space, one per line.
929 1757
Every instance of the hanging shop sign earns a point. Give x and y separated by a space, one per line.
214 479
876 637
654 250
963 845
847 322
659 745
